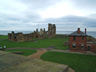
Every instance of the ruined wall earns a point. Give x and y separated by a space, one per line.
20 37
16 36
51 30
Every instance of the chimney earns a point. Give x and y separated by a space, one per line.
85 30
78 30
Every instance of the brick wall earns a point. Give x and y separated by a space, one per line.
78 41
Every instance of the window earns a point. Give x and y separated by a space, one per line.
82 45
74 38
89 47
74 45
83 38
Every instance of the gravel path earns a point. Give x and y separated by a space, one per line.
29 48
20 48
57 50
68 51
38 53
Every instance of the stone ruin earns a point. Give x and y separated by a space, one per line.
20 37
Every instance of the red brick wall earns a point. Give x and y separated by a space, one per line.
93 48
78 42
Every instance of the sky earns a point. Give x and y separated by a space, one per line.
27 15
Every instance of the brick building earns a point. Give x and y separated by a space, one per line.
78 42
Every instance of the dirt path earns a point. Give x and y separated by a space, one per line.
68 51
41 50
21 48
28 48
38 53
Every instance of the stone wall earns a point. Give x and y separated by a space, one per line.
51 30
20 37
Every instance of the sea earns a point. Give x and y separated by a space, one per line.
91 33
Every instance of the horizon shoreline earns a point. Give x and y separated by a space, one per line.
89 33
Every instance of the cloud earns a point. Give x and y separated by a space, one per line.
40 3
73 22
31 14
12 7
70 7
23 10
85 3
87 6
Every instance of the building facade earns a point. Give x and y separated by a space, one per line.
78 42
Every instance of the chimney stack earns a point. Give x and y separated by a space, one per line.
85 30
78 30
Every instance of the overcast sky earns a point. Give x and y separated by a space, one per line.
31 14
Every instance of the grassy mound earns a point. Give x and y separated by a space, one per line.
79 62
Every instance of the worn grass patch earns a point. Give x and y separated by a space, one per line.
79 62
26 52
57 42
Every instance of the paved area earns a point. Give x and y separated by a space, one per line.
17 63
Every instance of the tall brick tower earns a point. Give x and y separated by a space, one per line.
54 30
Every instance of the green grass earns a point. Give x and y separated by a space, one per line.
79 62
57 42
26 52
3 37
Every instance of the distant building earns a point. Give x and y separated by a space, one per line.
20 37
78 42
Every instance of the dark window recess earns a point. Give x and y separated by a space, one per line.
74 45
82 38
89 48
74 38
15 37
36 36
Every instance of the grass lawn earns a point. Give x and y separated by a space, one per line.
3 37
26 52
79 62
57 42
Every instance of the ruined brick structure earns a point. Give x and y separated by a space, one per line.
20 37
51 30
78 42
